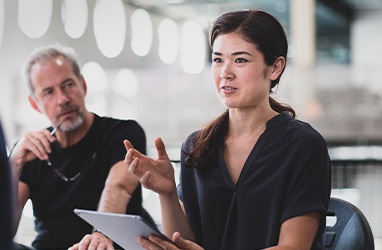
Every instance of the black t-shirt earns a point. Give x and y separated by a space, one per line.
287 174
54 199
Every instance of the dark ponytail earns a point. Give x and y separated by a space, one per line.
281 107
264 31
207 143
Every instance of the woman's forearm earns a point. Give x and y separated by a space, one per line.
173 217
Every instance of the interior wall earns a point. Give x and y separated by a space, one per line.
169 102
366 40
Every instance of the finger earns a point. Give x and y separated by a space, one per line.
127 145
133 165
161 148
34 146
148 244
129 157
48 135
93 245
164 244
41 140
145 178
110 247
179 241
74 247
45 138
85 242
102 246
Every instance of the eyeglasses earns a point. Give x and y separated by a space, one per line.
63 176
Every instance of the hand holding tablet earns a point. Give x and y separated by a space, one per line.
123 229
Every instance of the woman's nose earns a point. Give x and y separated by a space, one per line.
227 72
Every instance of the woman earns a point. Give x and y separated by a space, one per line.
255 178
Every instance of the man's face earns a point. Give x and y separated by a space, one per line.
59 94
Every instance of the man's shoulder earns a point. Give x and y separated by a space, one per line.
113 129
106 121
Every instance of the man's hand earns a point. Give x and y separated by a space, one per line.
155 243
30 146
95 241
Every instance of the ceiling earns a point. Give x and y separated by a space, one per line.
206 11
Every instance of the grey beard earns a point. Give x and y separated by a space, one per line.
75 124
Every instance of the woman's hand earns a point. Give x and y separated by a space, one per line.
156 175
155 243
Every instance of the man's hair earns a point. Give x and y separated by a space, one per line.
44 54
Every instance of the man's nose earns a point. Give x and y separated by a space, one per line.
62 98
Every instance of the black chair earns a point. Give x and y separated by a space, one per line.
5 198
351 230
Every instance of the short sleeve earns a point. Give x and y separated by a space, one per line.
27 173
310 191
182 159
131 131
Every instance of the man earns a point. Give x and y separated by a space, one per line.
81 165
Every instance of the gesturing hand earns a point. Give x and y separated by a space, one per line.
156 175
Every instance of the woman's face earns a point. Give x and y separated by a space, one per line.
240 76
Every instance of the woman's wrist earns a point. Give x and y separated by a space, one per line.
173 195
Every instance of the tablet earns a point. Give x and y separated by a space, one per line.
123 229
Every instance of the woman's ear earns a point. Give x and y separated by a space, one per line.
277 67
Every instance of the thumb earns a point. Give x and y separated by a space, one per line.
179 241
160 148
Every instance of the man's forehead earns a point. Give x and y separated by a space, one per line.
53 70
57 62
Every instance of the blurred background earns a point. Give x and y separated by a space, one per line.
149 60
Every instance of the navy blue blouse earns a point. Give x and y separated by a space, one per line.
287 174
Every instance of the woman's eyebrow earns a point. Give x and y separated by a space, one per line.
241 53
234 54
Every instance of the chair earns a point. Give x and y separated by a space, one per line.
351 230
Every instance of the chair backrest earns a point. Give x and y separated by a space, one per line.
351 230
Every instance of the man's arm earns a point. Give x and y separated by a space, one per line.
22 198
31 146
119 187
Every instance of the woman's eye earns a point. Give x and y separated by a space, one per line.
241 60
217 60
